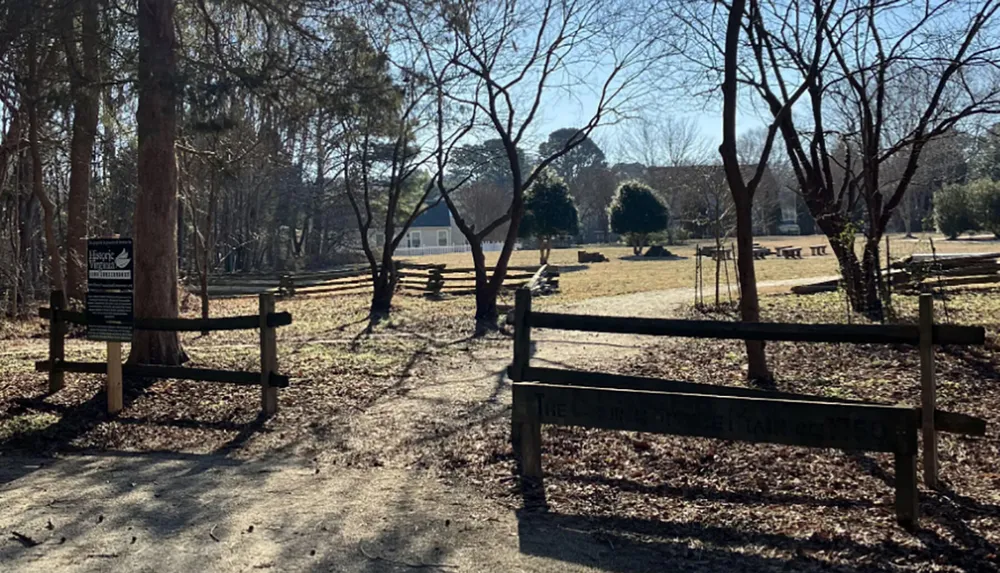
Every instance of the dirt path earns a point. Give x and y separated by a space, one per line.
362 505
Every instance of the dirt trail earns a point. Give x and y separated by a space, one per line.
362 506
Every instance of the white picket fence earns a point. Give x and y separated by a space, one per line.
488 247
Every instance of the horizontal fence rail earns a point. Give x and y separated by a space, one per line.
172 372
792 422
846 333
565 396
943 421
266 322
249 322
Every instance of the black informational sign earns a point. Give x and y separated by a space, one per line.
109 264
109 316
110 280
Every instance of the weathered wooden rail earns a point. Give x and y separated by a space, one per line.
609 401
266 321
436 280
413 278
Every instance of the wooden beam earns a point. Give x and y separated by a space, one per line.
928 390
171 372
57 341
251 322
765 420
844 333
943 421
268 357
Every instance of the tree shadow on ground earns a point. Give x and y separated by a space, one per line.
948 533
628 545
693 545
185 512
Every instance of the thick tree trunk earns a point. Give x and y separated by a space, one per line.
871 280
383 289
86 107
860 277
486 293
156 204
486 308
382 294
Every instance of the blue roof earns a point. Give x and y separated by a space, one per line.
436 216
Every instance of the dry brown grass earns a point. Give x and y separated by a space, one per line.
625 274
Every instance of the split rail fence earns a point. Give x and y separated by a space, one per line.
435 280
414 278
610 401
266 322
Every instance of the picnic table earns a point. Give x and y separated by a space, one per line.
792 252
721 253
818 250
760 253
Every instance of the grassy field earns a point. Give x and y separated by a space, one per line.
625 274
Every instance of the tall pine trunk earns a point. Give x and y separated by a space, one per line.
156 204
84 77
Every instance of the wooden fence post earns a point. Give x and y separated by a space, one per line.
522 334
907 502
435 281
928 390
57 341
268 357
531 445
888 275
113 387
525 437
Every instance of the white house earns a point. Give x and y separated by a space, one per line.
433 233
433 228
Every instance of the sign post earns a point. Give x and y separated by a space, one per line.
110 283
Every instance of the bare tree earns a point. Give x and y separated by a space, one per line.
509 83
743 189
669 141
863 61
405 132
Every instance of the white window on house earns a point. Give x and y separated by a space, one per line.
413 240
379 238
443 237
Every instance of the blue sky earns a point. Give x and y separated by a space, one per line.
709 122
561 110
